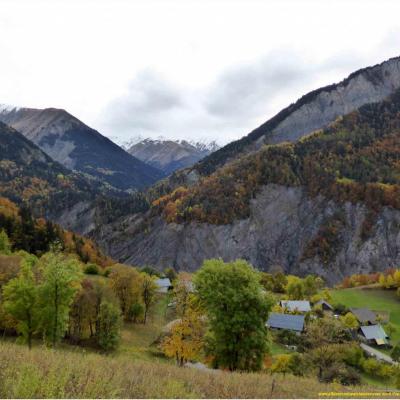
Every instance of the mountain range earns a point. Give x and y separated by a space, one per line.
310 204
315 189
170 155
78 147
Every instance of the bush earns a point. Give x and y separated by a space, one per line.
92 269
288 338
396 352
109 326
107 272
136 311
340 309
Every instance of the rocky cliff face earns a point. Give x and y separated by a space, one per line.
313 111
78 147
282 223
370 86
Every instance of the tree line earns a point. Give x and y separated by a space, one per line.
355 159
36 236
50 298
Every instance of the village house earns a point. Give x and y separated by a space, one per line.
164 284
374 335
364 316
301 306
324 305
286 321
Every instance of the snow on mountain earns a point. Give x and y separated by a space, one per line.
168 154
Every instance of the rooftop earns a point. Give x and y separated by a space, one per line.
364 315
286 321
296 305
372 332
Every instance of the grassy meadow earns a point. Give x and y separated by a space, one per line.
385 301
46 373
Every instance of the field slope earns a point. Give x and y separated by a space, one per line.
44 373
374 299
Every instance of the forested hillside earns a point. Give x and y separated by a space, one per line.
28 175
37 236
328 203
357 159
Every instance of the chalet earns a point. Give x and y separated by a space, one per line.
164 284
324 305
374 334
286 321
364 316
296 305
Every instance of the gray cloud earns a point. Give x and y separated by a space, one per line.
246 90
239 99
148 97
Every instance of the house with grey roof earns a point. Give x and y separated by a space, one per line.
164 284
286 321
364 316
324 305
296 305
374 334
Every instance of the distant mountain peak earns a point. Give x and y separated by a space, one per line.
167 154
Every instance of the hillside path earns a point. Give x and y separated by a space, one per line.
377 354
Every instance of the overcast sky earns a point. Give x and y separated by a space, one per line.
185 69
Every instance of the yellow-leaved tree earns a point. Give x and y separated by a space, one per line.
185 342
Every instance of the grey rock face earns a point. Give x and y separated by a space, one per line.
282 222
368 87
312 112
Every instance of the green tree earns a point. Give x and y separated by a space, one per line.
5 246
61 280
350 321
136 311
109 334
126 284
390 329
20 297
280 282
295 288
149 291
237 309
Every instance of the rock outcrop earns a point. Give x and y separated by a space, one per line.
283 222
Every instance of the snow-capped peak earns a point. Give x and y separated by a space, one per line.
201 144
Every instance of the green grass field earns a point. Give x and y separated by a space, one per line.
137 339
374 299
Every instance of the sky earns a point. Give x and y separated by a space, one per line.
196 70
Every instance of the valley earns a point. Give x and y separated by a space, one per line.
265 268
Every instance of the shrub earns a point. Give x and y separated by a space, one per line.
109 326
92 269
136 312
396 352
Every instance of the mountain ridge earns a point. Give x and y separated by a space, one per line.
78 147
261 135
327 204
170 155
